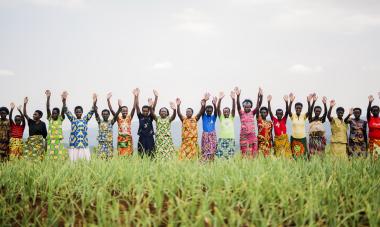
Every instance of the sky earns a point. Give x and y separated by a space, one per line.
185 48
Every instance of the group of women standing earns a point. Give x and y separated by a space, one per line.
43 142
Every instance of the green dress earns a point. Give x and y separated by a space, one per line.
55 148
164 141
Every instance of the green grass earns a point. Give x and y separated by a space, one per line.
223 193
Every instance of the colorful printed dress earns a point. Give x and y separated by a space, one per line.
146 136
55 148
374 136
124 138
4 139
226 141
164 141
208 143
35 144
264 137
298 142
317 138
281 139
248 139
357 141
189 146
105 139
16 144
78 137
338 146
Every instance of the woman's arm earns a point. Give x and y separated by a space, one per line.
221 96
324 101
151 103
22 115
48 112
137 104
109 96
292 98
269 99
11 113
347 119
26 100
233 103
202 110
178 102
155 100
238 92
172 105
214 102
370 100
332 104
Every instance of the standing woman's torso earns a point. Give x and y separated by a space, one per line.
374 127
247 122
298 126
190 128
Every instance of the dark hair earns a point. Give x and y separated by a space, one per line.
18 116
340 109
78 108
56 109
263 108
374 107
124 107
39 112
145 107
298 104
5 109
191 109
226 108
164 108
357 109
105 110
279 110
317 107
248 101
209 106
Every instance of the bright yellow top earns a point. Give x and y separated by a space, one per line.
298 126
338 131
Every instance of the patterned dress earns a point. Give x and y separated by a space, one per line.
55 148
357 141
281 139
4 139
16 144
298 141
208 142
164 141
105 139
145 146
317 138
264 137
35 144
189 146
338 146
226 140
248 139
124 138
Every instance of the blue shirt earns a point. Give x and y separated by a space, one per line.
208 123
78 135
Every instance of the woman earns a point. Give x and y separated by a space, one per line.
357 140
226 142
317 133
265 137
281 139
189 145
78 136
298 142
248 139
374 128
16 132
4 133
124 122
208 143
35 145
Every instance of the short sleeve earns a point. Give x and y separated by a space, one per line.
89 115
69 115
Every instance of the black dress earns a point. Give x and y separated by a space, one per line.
146 135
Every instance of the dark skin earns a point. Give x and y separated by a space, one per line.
357 114
106 115
124 110
298 108
317 111
3 115
189 112
279 114
339 113
260 102
164 113
247 106
53 115
18 120
147 110
372 112
36 115
78 111
226 111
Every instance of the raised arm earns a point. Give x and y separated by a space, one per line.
150 104
202 110
155 92
173 106
347 119
286 99
64 108
48 112
370 100
309 99
134 103
178 102
137 104
269 98
332 104
109 96
292 98
238 92
11 113
259 102
214 102
233 103
324 101
114 119
97 117
313 98
221 96
26 100
22 115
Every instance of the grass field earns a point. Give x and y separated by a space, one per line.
223 193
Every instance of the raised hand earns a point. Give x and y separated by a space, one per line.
324 99
260 91
292 97
332 103
48 93
371 98
94 97
109 95
237 91
233 94
120 102
351 111
12 105
26 100
155 92
178 101
214 100
221 95
207 96
286 98
203 102
150 102
136 92
309 97
173 106
315 97
64 95
19 108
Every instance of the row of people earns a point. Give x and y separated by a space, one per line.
160 144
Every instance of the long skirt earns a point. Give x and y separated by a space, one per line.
105 149
374 147
164 147
299 147
16 146
189 148
282 146
357 147
4 149
208 145
35 148
248 145
226 148
76 154
145 146
55 149
264 145
124 145
339 150
317 144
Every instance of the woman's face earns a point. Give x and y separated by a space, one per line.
189 113
298 109
317 112
124 111
164 113
78 113
264 113
226 112
247 107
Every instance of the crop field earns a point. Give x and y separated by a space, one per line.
237 192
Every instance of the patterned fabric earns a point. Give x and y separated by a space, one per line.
299 147
339 150
78 136
226 148
15 147
105 139
279 126
55 148
282 146
374 148
317 138
208 145
338 131
208 122
146 145
248 139
357 143
35 148
164 141
4 138
124 139
264 136
189 146
227 129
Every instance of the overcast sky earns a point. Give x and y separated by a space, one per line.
184 48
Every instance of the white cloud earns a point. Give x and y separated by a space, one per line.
5 72
192 20
163 65
59 3
303 69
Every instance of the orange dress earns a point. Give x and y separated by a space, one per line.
189 146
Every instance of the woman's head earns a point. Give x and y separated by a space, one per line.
375 111
124 111
3 112
340 112
209 110
298 106
18 119
279 114
145 110
55 113
317 111
189 112
357 112
78 112
264 112
105 114
226 112
164 112
37 115
247 105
